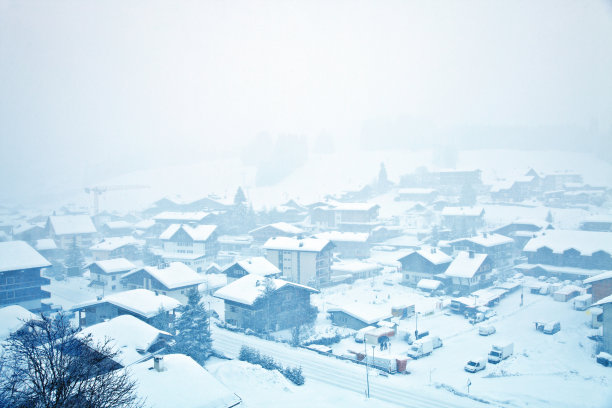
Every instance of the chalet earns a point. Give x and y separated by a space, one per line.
107 274
134 340
116 228
176 380
606 305
48 248
248 306
174 279
355 217
499 247
385 232
357 316
556 181
12 320
351 270
167 218
180 204
65 229
463 220
425 263
469 271
116 247
141 303
305 261
29 232
420 194
278 229
348 244
518 189
601 285
403 242
522 230
20 276
601 223
194 246
213 268
235 243
258 265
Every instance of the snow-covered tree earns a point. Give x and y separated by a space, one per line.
161 321
549 217
74 259
193 330
239 197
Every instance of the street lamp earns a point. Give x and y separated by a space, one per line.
365 349
416 325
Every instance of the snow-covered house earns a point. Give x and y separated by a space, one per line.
348 244
499 247
20 276
469 271
116 228
29 232
278 229
350 270
463 220
12 319
174 279
262 304
134 340
601 223
64 229
107 273
116 247
47 248
176 380
357 316
167 218
257 265
425 263
141 303
194 246
606 305
355 217
601 285
305 261
522 230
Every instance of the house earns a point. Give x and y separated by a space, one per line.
601 285
29 232
47 248
522 230
134 340
20 276
235 243
354 217
305 261
261 304
194 246
278 229
469 271
424 263
257 265
167 218
176 380
421 194
601 223
141 303
213 268
348 245
116 247
446 181
606 305
290 211
107 274
569 248
65 229
499 247
116 228
463 220
556 181
357 316
174 279
351 270
12 319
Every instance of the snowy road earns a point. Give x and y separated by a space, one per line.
344 374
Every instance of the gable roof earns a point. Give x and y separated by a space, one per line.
12 318
16 255
115 265
249 288
113 243
488 240
465 267
599 277
343 236
281 226
585 242
295 244
434 255
195 216
606 300
118 224
175 275
366 313
45 244
198 233
463 211
72 224
257 265
142 302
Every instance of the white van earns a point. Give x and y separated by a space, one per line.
475 365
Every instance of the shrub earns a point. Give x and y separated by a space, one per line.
253 356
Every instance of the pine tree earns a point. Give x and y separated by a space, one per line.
74 260
239 197
549 217
193 330
162 320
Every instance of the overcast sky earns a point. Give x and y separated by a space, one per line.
94 88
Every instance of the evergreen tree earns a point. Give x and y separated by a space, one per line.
549 217
193 330
239 197
74 259
162 320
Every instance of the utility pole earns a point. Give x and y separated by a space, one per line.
365 349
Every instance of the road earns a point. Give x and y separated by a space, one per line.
345 374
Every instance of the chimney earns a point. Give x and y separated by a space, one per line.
158 364
99 297
471 254
484 234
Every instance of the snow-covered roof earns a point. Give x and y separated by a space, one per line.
195 216
566 290
434 255
343 236
115 265
464 266
606 300
45 244
568 270
130 336
429 284
353 206
585 242
281 226
12 318
198 233
15 255
354 266
295 244
118 224
367 313
140 301
144 224
463 211
487 240
175 275
113 243
183 383
247 289
235 239
403 241
599 277
257 265
600 218
72 224
416 190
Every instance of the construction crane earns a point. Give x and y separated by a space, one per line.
99 190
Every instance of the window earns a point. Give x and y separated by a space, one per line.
114 277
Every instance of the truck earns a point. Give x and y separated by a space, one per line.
500 352
421 348
475 364
388 363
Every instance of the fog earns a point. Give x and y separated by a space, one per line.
92 90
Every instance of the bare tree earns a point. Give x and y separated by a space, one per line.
49 364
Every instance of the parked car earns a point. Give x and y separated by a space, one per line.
486 330
477 318
475 365
604 359
437 341
551 327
